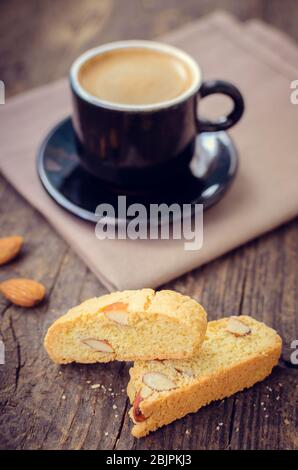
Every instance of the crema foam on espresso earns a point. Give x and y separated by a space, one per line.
135 76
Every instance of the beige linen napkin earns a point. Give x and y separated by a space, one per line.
277 41
263 196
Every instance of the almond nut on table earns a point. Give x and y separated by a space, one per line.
9 248
23 292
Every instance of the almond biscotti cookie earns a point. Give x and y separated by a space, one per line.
126 326
237 353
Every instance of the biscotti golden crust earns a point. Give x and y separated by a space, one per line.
129 325
236 354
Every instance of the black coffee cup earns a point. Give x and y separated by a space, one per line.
134 147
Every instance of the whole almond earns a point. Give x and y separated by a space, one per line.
23 292
9 248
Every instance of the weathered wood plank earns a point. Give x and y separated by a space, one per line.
271 294
265 417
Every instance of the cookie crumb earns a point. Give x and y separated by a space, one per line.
63 397
114 407
94 386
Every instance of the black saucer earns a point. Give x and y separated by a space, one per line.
210 173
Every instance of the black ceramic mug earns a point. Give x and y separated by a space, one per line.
139 146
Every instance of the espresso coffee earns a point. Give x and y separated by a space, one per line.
135 76
135 117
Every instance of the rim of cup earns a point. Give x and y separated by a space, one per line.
152 45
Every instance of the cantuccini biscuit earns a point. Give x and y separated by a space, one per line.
237 353
129 325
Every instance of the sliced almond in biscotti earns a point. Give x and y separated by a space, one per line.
186 372
138 416
225 365
139 324
117 312
9 248
237 327
141 395
23 292
98 345
158 381
145 392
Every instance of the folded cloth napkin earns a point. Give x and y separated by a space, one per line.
263 196
276 40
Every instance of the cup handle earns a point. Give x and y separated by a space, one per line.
211 87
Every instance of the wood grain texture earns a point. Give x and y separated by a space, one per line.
44 406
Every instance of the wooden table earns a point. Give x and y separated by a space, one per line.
44 406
